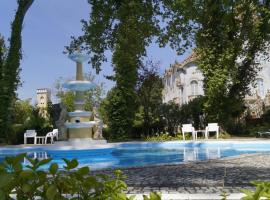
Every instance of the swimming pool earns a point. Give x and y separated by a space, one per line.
143 153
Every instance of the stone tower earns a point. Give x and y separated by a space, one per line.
43 99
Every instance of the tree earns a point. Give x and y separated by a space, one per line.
125 28
229 37
171 113
22 112
3 54
92 97
192 112
10 67
149 90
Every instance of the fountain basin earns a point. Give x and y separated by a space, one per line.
79 57
76 125
80 113
79 85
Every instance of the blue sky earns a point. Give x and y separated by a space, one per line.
48 26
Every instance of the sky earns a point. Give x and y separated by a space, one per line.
47 28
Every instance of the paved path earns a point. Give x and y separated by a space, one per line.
228 174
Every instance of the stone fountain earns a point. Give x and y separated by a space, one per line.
82 127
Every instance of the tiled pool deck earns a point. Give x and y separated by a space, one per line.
229 175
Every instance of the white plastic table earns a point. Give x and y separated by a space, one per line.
200 131
40 139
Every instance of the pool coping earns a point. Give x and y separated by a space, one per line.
197 196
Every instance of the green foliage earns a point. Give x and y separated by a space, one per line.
92 97
262 191
38 122
167 137
224 196
22 111
10 67
25 116
74 183
192 112
175 115
229 36
119 114
170 113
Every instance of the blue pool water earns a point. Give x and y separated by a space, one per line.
143 154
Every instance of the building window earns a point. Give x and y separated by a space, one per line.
260 87
194 88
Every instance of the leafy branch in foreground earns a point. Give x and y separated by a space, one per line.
31 182
262 191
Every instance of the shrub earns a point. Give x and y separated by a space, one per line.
15 136
73 183
167 137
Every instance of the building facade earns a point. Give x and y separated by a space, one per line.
184 82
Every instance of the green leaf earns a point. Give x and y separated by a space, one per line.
73 164
2 195
51 192
20 157
26 188
27 174
5 179
132 197
44 161
83 171
53 168
155 196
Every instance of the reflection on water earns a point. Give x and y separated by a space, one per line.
195 154
40 155
135 155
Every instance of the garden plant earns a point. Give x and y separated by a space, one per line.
33 182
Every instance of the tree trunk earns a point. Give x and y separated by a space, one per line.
11 68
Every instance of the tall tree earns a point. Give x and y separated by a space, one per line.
149 90
229 36
11 66
125 28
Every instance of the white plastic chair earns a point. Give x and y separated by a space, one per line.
55 133
188 128
49 135
30 134
212 127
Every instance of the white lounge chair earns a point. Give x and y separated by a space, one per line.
264 133
212 127
51 136
30 134
188 128
55 133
